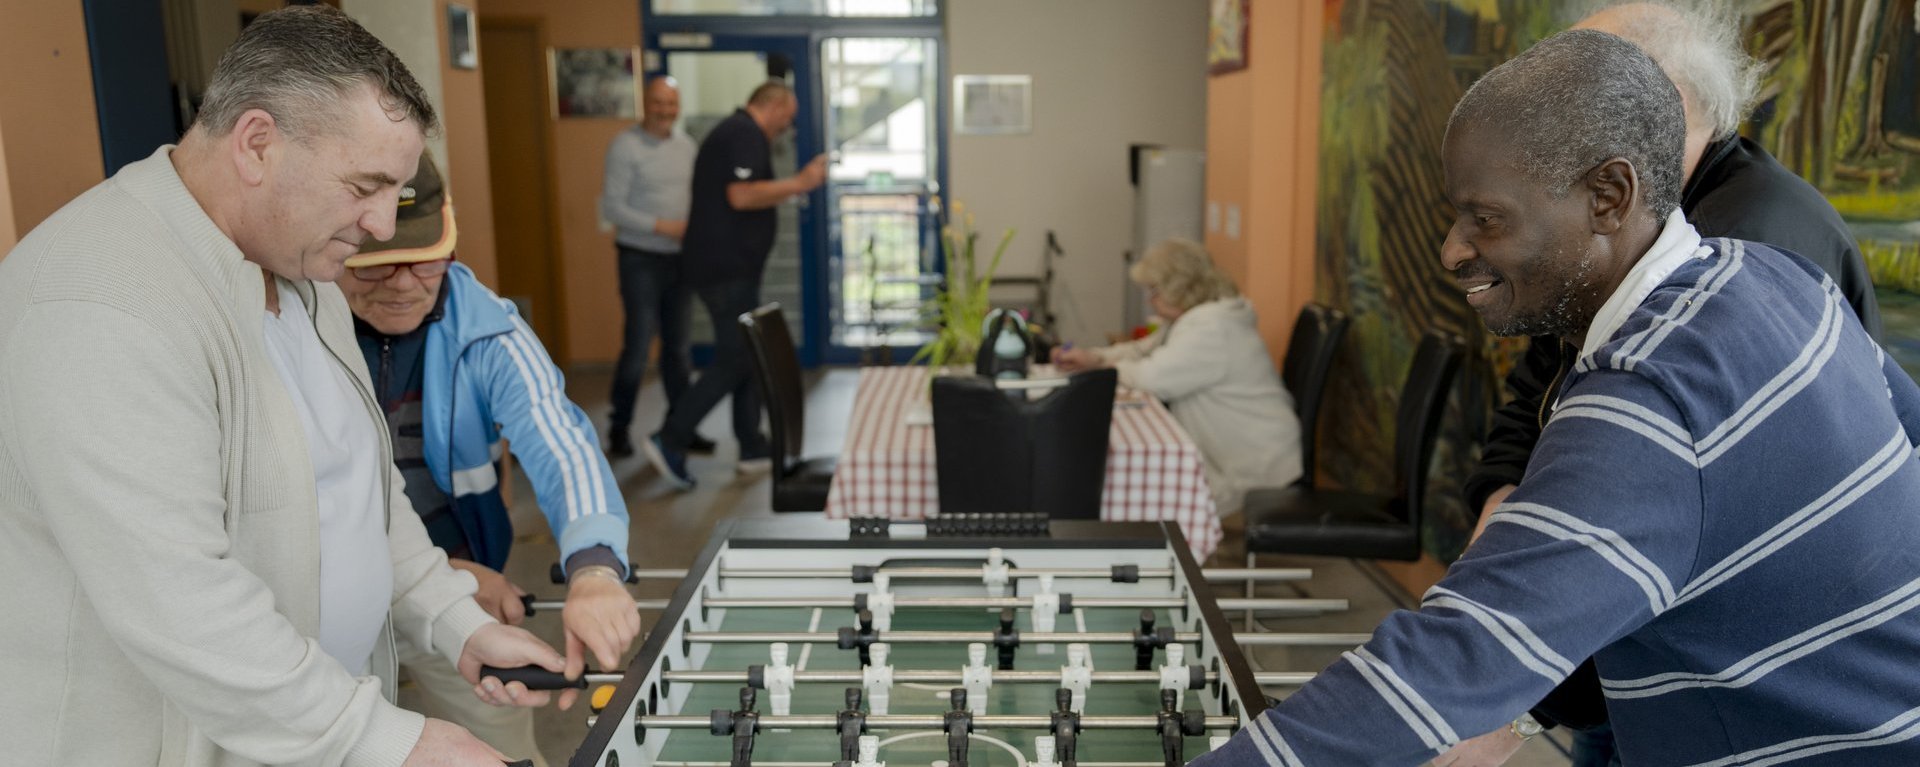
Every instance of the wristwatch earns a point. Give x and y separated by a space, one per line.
599 570
1526 727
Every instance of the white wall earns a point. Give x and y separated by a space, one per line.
1106 74
409 29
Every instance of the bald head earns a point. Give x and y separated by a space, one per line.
1574 101
1698 47
660 105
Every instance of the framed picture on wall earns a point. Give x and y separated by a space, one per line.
460 38
594 82
992 104
1226 36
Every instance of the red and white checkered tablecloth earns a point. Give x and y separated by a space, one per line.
1154 471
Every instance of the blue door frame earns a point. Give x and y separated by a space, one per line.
799 38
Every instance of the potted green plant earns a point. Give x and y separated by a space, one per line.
960 307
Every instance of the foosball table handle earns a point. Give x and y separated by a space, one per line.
534 677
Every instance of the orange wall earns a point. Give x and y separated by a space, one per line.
52 147
463 112
1263 126
589 277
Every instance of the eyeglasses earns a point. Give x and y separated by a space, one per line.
422 270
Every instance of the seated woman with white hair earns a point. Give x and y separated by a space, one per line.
1208 363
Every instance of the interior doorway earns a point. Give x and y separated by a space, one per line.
520 151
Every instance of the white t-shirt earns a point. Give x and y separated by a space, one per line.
356 571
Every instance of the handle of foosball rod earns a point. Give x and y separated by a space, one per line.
521 763
526 601
534 677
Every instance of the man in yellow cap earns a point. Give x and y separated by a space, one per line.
456 370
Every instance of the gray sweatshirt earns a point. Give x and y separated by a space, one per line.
648 179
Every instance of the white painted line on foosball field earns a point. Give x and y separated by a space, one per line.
1019 758
806 650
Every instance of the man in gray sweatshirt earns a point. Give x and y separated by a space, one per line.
648 187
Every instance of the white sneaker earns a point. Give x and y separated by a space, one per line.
753 467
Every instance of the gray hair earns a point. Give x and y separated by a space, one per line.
770 92
298 64
1698 45
1577 99
1182 273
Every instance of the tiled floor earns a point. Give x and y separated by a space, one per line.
669 528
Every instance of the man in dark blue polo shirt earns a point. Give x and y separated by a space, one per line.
730 229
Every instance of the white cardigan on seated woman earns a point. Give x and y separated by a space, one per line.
1213 371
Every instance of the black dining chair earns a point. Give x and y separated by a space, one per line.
995 451
1303 519
799 484
1317 333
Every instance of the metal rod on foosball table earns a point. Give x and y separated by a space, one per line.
638 604
1271 678
930 722
1314 605
918 637
760 763
845 573
1301 640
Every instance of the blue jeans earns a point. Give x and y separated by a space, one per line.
730 374
1594 747
655 303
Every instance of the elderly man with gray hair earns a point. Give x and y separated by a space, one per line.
1728 437
1733 189
208 553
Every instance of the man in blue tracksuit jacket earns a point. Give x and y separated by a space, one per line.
456 370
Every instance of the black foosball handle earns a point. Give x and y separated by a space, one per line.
534 677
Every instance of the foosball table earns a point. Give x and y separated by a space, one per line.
984 643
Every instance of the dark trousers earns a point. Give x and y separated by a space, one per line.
1594 748
655 303
730 374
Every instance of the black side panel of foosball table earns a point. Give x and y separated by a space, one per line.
613 722
1245 686
832 534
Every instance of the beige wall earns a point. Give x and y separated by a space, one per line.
589 277
463 112
1262 158
52 147
8 235
1106 74
416 31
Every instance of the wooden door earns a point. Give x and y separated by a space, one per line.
520 152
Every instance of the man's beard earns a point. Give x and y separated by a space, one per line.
1565 313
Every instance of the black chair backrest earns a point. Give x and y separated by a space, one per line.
1316 337
997 452
776 366
1423 400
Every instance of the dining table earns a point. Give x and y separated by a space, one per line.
887 466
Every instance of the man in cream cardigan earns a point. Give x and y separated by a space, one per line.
208 554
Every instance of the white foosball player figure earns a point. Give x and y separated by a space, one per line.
880 603
1077 675
1175 675
869 752
1046 607
994 574
1043 753
977 678
778 677
877 677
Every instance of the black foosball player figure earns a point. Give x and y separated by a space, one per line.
852 723
742 725
1066 728
959 726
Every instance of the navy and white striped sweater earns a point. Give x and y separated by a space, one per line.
1724 511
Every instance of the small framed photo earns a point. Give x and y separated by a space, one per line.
992 104
460 38
595 82
1226 36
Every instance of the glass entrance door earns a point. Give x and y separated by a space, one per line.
716 73
882 126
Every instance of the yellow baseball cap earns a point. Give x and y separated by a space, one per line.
424 229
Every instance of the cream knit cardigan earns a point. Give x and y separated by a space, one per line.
158 530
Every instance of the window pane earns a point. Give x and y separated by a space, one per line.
843 8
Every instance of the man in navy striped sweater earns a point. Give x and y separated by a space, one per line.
1721 509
